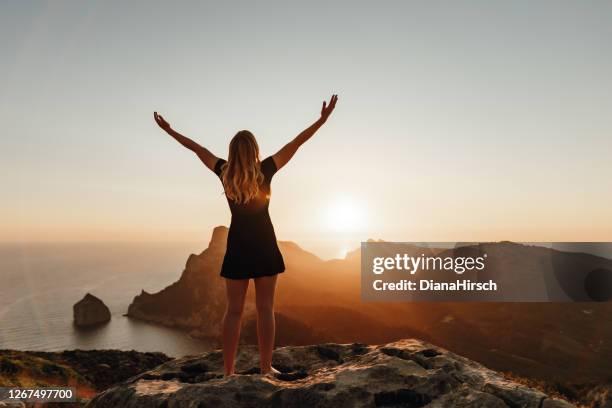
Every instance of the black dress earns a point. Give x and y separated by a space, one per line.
252 250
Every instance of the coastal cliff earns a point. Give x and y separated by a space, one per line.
196 301
406 373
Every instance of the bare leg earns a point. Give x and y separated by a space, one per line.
264 299
236 292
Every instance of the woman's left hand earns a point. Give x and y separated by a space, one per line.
161 121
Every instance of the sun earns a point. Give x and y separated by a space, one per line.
345 215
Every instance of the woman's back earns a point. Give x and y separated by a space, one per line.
259 203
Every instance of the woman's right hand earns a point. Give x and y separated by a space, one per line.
161 122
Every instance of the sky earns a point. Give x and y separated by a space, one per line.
456 121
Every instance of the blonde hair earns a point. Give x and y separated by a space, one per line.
242 174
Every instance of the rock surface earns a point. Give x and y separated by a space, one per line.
406 373
89 371
600 397
90 311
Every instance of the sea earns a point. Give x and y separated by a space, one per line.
40 282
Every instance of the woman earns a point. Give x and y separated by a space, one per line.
252 251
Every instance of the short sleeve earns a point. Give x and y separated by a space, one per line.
268 167
218 167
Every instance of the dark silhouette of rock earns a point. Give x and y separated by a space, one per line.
90 311
197 300
406 373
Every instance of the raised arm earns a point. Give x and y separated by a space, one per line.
203 153
285 154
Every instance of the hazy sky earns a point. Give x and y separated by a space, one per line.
457 121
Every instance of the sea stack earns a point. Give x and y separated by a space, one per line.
90 311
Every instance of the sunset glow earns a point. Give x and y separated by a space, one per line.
344 215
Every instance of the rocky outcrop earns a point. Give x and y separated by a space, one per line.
90 311
599 397
89 371
406 373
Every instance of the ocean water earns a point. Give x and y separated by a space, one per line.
39 283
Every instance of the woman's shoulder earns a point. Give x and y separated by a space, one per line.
219 165
268 166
